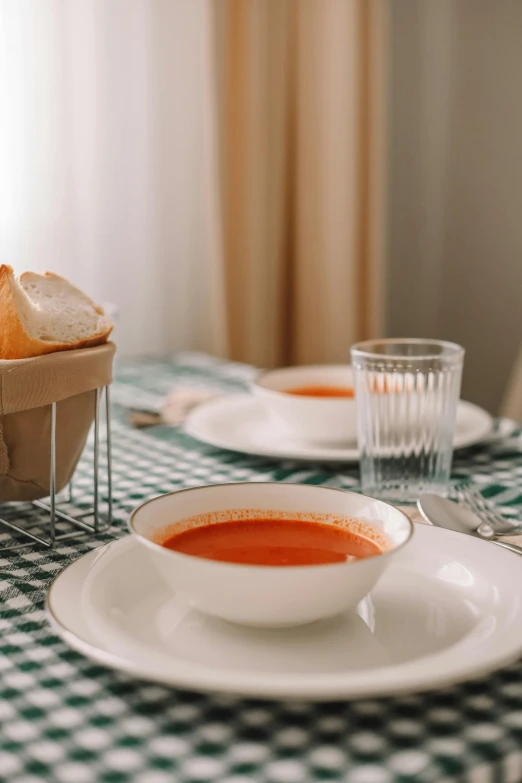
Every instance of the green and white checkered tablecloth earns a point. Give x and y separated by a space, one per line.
66 720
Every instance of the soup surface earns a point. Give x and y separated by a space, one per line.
273 542
322 391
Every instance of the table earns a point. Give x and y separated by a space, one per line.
66 720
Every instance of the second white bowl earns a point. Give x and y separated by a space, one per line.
330 420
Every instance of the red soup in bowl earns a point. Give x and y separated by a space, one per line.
273 542
323 391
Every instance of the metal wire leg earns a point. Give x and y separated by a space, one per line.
96 461
109 454
52 482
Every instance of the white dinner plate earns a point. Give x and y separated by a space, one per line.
447 610
238 422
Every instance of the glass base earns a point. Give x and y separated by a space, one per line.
403 494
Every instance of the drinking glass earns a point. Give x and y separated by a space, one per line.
407 393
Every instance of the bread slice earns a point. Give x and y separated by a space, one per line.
44 313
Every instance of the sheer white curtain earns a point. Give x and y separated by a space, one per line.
108 160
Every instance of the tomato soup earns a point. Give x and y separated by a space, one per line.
273 542
322 391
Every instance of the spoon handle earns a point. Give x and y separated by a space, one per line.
511 547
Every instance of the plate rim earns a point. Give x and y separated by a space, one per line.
219 684
311 453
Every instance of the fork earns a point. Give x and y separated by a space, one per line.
493 523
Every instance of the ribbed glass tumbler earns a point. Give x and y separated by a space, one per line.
407 393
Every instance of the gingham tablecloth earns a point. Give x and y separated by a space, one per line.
66 720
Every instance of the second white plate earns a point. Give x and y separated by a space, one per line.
238 422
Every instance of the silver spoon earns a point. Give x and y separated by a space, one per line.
445 513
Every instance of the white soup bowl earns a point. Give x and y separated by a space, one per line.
318 419
268 595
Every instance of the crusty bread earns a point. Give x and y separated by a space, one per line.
44 313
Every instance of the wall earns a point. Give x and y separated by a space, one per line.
455 185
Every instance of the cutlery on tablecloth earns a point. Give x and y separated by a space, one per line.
493 523
173 412
446 513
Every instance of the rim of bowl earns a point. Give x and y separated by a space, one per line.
257 383
220 563
451 351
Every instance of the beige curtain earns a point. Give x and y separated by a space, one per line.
300 105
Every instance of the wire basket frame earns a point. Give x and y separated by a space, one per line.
78 522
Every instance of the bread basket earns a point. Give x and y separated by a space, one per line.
28 389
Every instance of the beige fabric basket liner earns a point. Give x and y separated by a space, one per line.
28 387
